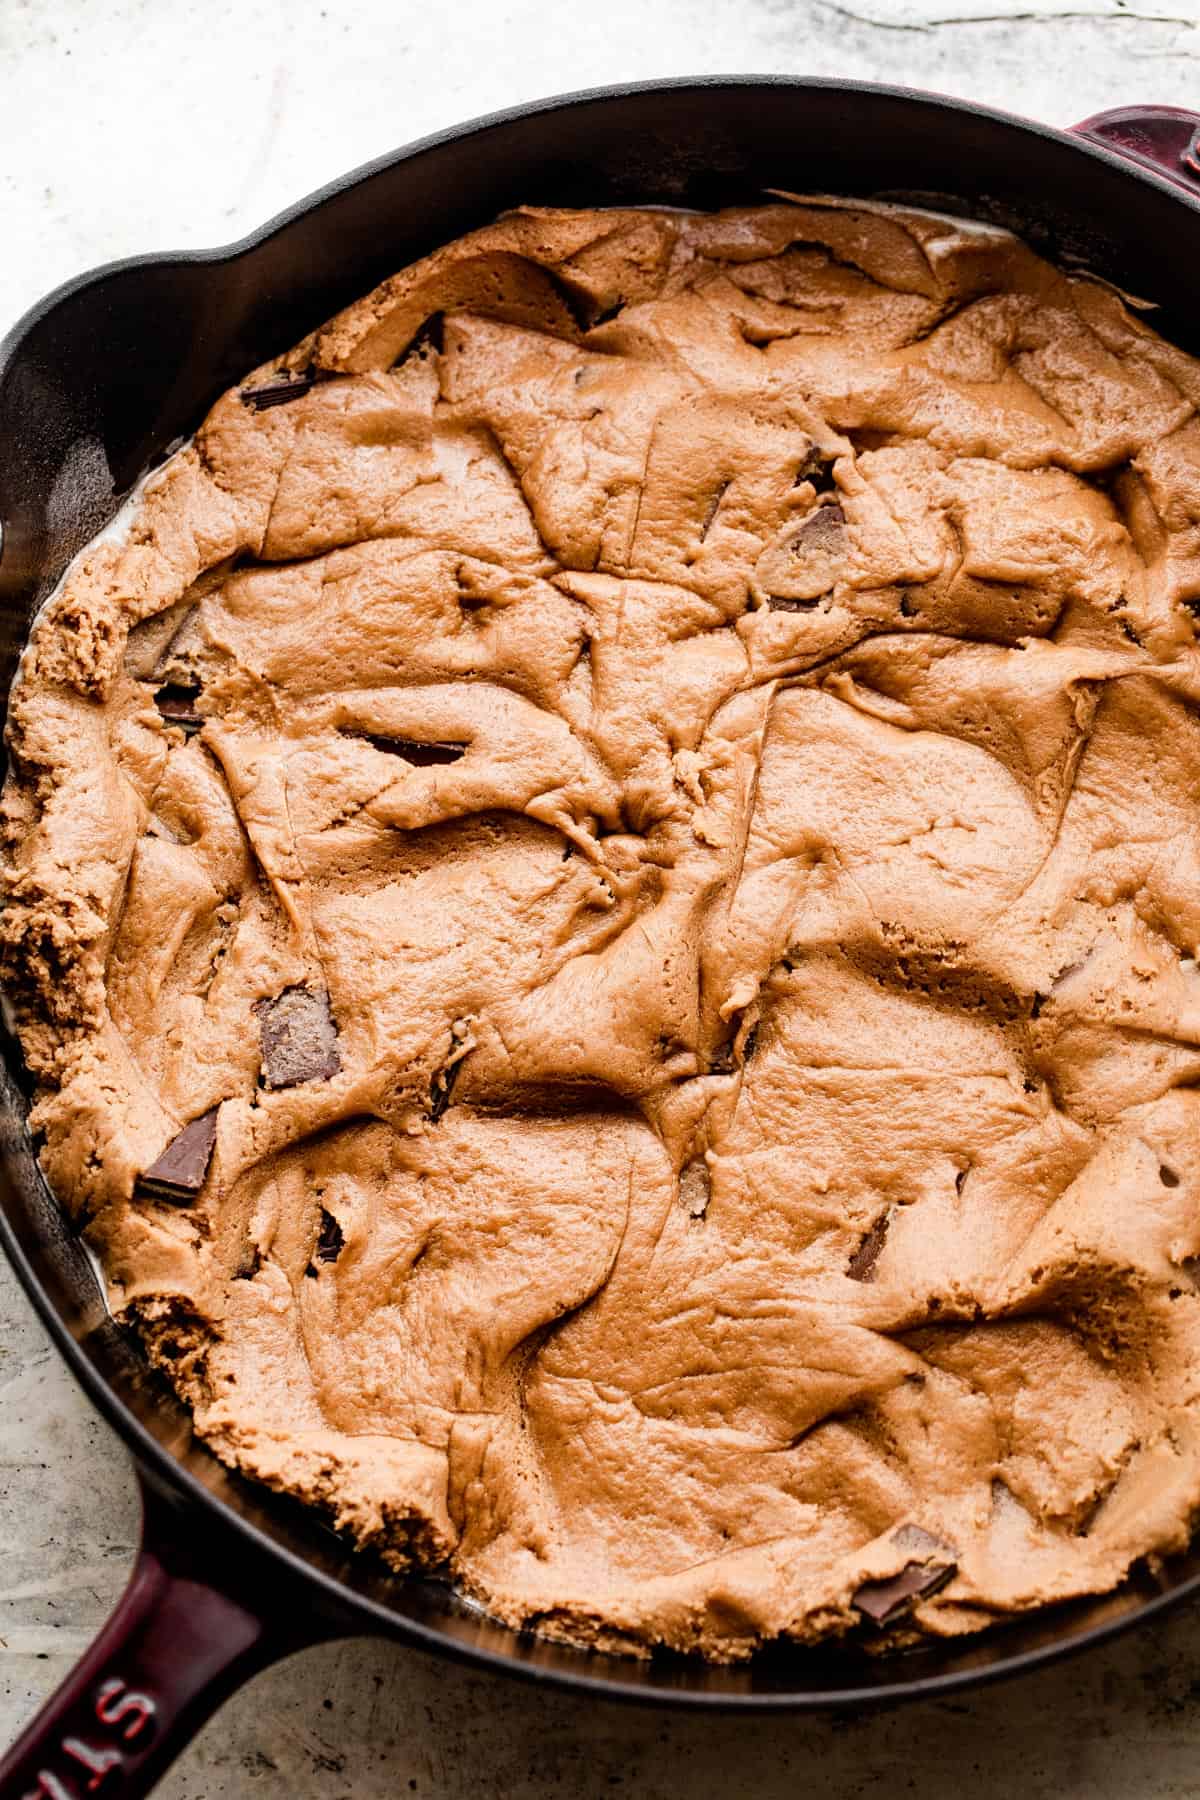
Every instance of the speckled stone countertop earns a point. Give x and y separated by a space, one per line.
134 125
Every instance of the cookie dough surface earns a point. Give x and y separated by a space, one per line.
602 892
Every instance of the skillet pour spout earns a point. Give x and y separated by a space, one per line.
98 382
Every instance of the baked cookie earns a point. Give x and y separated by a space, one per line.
602 891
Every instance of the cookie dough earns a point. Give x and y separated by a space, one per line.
603 885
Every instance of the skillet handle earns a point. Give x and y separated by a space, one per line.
1163 138
176 1646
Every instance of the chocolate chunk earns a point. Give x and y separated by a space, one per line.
180 1172
817 467
861 1266
422 756
177 704
605 314
1167 1176
883 1601
429 340
781 603
824 525
916 1538
712 509
278 393
299 1038
249 1263
728 1056
803 564
331 1239
441 1088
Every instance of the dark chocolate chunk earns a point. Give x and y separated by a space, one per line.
817 467
824 525
428 340
279 392
712 509
422 756
883 1601
727 1057
177 704
441 1088
299 1038
1167 1176
249 1263
781 603
916 1538
804 563
603 315
180 1172
861 1266
331 1239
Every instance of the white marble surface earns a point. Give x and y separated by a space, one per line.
131 125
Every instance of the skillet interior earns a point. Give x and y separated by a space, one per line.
98 381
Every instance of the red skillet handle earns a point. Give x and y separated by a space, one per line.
1163 138
173 1650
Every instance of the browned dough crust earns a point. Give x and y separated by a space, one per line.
626 1022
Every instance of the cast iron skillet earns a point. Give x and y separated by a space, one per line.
95 383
